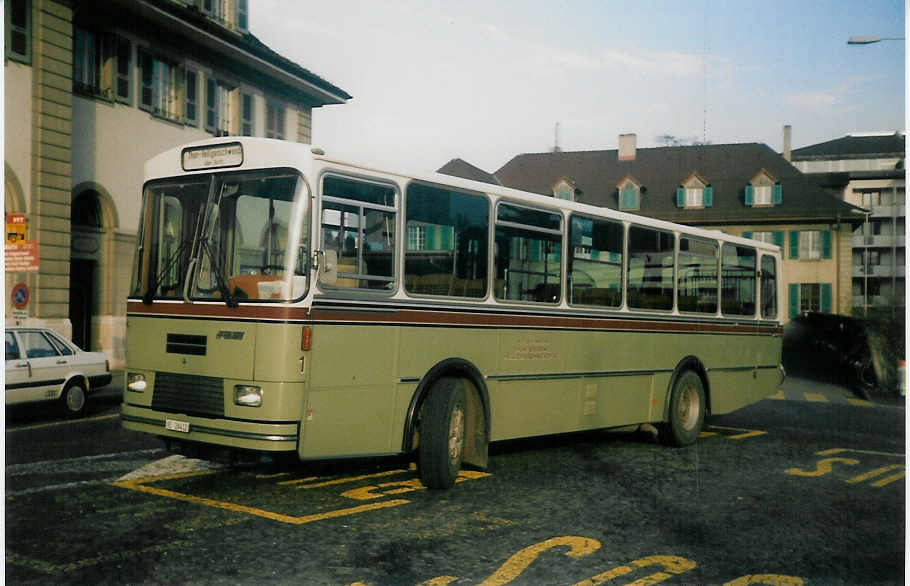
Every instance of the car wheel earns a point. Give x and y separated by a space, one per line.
74 399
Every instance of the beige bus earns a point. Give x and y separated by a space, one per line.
284 300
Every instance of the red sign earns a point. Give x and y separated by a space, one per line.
19 295
22 257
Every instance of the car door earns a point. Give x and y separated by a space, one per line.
17 372
48 368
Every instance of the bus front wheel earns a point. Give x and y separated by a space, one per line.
687 411
442 434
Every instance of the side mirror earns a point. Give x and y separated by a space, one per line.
328 270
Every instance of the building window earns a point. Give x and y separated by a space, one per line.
124 62
243 16
19 30
771 237
246 114
219 107
191 98
810 244
694 193
809 297
160 92
564 189
629 195
274 121
102 65
763 190
417 237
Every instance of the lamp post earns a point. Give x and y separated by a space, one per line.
868 40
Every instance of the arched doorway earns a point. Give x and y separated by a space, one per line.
87 228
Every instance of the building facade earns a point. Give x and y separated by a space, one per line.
93 89
867 170
741 189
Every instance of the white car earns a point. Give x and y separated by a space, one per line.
41 365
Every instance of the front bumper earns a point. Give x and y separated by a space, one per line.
267 436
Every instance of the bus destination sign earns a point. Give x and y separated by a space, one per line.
212 157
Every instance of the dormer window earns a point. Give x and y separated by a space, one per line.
695 192
763 190
629 190
564 189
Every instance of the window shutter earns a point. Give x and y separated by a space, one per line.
794 299
145 94
210 91
826 243
430 237
794 243
709 196
243 18
826 297
776 195
680 197
445 238
779 239
749 195
747 234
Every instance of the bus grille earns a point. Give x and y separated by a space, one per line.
189 394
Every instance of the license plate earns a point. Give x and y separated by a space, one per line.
174 425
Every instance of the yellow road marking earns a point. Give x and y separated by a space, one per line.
673 565
234 507
778 395
822 467
746 432
58 423
860 403
874 473
815 397
340 480
519 562
887 480
768 579
833 451
49 568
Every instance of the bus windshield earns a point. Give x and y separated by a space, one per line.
224 236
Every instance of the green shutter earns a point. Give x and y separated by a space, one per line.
747 234
749 195
680 197
779 239
776 194
709 196
430 237
794 243
826 297
445 238
794 299
826 244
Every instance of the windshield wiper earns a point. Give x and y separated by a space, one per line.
153 286
229 299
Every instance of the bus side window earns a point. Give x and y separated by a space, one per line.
768 287
358 222
528 254
650 268
738 280
595 262
446 246
697 275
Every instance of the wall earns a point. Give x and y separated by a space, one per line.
17 120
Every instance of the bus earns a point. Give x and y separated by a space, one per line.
284 301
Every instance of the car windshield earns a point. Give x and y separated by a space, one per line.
228 236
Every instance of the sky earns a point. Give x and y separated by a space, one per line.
487 80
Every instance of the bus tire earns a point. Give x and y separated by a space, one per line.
687 411
442 434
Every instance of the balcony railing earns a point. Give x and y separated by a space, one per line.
879 240
887 211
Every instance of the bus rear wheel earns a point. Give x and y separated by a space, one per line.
442 434
687 411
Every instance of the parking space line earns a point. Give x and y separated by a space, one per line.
58 423
746 432
877 472
833 451
860 403
779 395
49 568
339 480
815 397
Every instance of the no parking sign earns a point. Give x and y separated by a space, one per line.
19 295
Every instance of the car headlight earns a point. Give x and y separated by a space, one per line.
247 395
135 381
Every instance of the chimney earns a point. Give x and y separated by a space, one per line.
787 141
627 147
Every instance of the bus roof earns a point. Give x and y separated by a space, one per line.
258 153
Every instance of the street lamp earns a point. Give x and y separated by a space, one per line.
869 40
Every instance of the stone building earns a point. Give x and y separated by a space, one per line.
92 90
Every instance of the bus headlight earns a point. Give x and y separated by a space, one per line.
135 381
247 395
